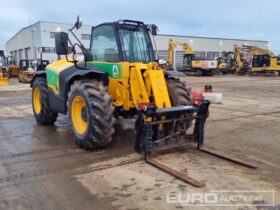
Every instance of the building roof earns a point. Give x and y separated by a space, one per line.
21 31
38 22
205 37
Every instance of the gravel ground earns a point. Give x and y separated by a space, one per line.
41 167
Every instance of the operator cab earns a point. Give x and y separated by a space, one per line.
187 60
25 64
123 41
261 61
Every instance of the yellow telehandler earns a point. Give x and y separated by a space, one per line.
119 76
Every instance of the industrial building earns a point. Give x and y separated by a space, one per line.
37 42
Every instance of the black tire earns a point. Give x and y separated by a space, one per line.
199 73
214 72
46 115
99 115
180 94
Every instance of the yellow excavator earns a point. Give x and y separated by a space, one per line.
264 62
190 63
4 76
241 65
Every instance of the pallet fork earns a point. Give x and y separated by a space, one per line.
151 120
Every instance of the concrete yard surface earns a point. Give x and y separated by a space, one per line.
42 168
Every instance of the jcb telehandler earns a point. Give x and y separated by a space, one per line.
118 76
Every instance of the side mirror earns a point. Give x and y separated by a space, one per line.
79 57
83 57
154 29
162 61
61 43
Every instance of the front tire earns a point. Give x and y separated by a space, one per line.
90 113
40 102
180 94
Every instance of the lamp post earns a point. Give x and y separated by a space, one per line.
58 29
33 44
220 45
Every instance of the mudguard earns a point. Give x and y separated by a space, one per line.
58 102
173 74
38 74
67 78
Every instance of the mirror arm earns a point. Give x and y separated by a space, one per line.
70 43
72 28
75 37
84 50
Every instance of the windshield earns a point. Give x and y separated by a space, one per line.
136 44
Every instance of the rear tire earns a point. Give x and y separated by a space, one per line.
40 102
91 118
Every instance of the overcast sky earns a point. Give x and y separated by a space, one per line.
256 19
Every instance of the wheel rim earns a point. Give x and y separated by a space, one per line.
79 115
37 100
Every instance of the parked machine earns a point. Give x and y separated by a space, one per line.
4 76
13 69
243 59
226 63
27 71
121 78
190 63
240 66
264 62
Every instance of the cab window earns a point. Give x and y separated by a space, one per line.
278 60
104 45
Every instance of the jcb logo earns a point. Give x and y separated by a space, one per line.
116 71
